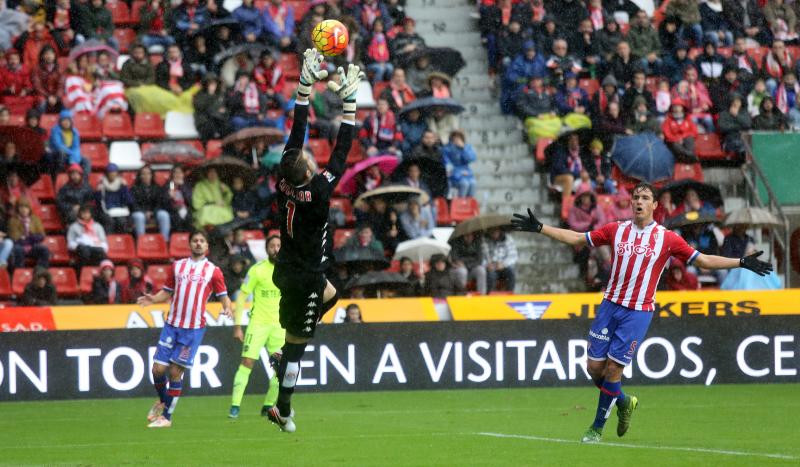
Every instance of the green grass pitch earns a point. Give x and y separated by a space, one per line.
747 425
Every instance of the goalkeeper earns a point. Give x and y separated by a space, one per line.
263 330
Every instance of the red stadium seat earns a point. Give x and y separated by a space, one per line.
5 284
567 200
462 209
129 177
161 177
254 235
87 277
290 65
394 266
344 205
117 126
158 273
692 171
21 278
289 88
94 179
442 211
362 114
16 120
120 13
50 218
88 127
48 121
18 104
694 52
43 189
757 54
125 37
590 85
708 147
321 149
136 7
57 244
66 282
213 148
97 153
121 248
356 153
149 126
179 245
341 236
378 88
276 232
541 145
300 8
152 247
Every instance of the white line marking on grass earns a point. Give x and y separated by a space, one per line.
643 446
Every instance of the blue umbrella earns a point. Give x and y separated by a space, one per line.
643 156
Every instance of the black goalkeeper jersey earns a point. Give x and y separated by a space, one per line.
303 211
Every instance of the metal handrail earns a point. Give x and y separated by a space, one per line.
751 165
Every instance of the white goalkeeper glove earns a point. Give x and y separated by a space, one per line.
310 72
348 86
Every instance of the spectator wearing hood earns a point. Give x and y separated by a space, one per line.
500 255
571 98
715 25
114 201
769 118
677 62
678 278
458 155
211 116
466 256
150 203
582 215
732 123
65 145
621 210
106 290
279 24
757 94
695 99
722 90
535 100
440 281
608 92
640 119
524 67
138 282
644 42
668 35
511 42
188 18
74 194
413 128
40 291
710 63
680 132
87 239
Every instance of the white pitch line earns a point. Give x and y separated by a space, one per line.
644 446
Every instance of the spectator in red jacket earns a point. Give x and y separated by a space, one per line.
37 40
678 278
680 132
47 81
138 282
15 79
270 79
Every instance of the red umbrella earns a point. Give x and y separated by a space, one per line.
387 164
30 146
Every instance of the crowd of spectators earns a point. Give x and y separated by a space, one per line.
229 69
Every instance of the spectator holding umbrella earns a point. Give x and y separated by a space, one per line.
458 155
417 221
500 255
407 270
442 122
439 281
27 232
40 291
467 259
87 239
150 203
106 290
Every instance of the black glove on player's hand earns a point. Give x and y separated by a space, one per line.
527 224
762 268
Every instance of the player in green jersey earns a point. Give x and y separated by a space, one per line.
263 330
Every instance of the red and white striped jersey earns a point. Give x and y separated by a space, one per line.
640 256
190 285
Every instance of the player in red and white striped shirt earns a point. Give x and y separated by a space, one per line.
189 288
640 248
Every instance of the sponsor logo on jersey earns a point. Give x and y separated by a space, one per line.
626 249
530 310
328 176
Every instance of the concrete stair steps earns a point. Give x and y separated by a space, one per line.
429 24
455 40
502 167
532 286
509 195
496 153
419 6
508 181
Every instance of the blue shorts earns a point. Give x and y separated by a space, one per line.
616 332
178 345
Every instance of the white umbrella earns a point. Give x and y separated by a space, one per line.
422 249
752 216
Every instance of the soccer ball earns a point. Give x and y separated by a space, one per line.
330 37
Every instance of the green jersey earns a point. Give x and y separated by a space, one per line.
266 296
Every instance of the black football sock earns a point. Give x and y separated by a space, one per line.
288 371
327 306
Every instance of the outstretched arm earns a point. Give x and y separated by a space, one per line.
530 223
309 74
751 262
346 89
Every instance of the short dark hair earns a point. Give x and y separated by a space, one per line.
272 237
293 167
198 232
644 186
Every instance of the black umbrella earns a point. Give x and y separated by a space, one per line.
691 218
442 59
210 29
705 191
28 173
364 259
253 49
379 279
228 168
585 135
434 174
426 104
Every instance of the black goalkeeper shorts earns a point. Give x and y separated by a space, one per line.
301 299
